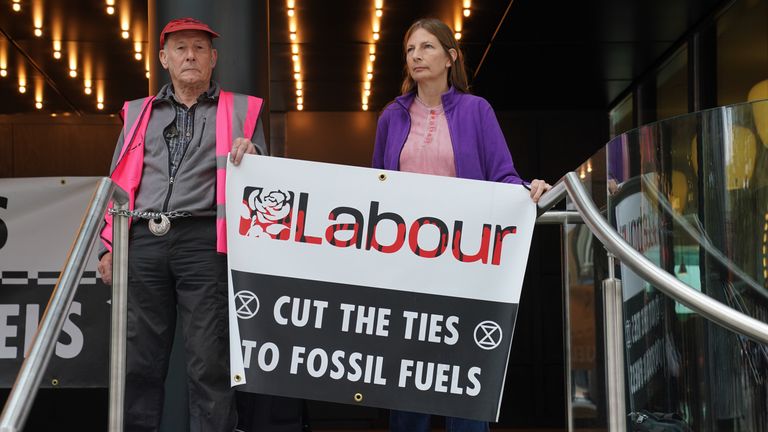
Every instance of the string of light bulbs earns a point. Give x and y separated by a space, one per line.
466 6
295 53
378 14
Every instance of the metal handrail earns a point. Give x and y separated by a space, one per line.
551 198
700 303
22 395
556 217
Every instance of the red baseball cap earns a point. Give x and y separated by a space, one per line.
185 24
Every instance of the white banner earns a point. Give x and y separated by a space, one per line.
375 287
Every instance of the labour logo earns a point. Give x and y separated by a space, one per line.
266 213
488 335
246 304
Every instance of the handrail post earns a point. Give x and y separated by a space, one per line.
22 395
117 360
613 313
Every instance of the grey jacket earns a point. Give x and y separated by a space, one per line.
193 189
194 186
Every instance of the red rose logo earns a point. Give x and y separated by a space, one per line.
266 213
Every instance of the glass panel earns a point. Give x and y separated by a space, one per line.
734 202
635 157
584 267
691 194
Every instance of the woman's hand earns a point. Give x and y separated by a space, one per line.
538 187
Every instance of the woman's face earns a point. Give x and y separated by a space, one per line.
426 58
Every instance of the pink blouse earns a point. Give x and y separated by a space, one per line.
428 148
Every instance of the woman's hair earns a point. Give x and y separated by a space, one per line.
457 76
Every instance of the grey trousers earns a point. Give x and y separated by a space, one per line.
182 272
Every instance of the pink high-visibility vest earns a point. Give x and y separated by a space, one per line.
128 170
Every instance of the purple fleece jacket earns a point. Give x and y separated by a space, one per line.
479 149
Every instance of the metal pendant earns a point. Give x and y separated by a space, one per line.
160 228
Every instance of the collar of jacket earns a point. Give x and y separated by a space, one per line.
449 99
166 93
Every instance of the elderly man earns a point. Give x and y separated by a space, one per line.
171 158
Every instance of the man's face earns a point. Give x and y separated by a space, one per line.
189 57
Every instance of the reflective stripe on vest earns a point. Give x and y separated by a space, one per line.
230 124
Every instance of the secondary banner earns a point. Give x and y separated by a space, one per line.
373 287
39 218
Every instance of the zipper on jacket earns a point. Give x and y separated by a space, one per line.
202 130
168 196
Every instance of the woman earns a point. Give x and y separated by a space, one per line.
437 127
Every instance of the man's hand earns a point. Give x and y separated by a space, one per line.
105 268
538 187
240 147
